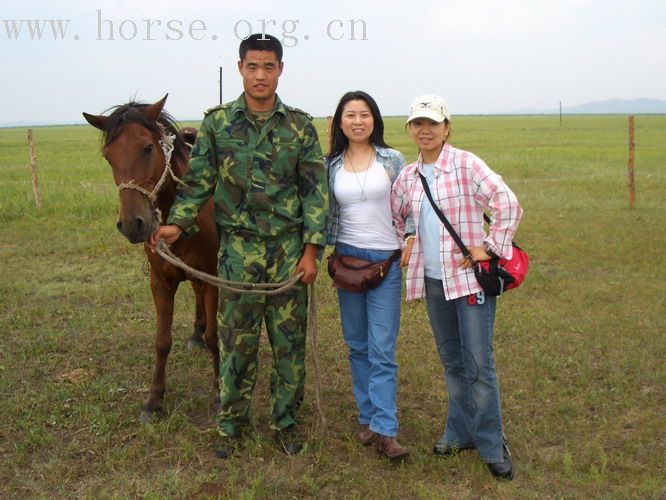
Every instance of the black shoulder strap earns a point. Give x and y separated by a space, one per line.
444 220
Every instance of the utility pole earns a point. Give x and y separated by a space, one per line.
220 84
630 164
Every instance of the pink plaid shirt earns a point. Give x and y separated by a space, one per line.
465 187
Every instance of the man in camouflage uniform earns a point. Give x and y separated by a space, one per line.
262 162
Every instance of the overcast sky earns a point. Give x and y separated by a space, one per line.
483 56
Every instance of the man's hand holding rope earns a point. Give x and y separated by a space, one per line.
169 233
308 264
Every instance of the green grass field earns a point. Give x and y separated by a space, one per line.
580 347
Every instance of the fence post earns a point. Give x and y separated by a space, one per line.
329 126
630 165
33 165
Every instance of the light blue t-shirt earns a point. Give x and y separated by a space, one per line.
429 228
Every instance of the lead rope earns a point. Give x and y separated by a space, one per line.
312 330
165 252
241 287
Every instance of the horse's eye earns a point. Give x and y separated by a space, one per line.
148 150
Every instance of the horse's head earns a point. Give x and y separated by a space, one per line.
131 135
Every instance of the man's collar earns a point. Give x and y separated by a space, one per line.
240 106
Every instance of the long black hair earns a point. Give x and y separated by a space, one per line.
339 141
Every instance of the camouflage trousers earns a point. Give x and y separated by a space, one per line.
240 317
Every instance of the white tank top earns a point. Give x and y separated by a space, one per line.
364 200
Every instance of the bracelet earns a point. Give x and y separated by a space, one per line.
409 238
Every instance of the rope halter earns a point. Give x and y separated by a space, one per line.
166 142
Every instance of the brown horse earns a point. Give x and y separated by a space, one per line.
148 156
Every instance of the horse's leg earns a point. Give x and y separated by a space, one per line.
207 296
210 336
163 296
196 340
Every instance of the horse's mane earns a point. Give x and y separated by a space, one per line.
132 112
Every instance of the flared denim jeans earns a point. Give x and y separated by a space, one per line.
370 324
463 330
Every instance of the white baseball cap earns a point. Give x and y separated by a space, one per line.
429 106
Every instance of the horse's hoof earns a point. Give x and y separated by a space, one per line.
193 344
150 417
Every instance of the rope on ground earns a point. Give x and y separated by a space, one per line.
312 330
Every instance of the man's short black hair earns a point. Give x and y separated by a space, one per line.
260 41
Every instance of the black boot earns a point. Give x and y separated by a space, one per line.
227 446
504 469
289 440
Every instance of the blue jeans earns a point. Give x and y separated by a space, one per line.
370 324
463 330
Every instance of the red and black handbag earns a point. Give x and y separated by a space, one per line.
495 275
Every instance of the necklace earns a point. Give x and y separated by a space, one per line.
365 175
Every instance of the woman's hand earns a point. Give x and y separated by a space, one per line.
407 252
478 255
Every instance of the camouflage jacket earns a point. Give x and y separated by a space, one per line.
266 181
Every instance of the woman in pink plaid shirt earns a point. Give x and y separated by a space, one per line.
460 314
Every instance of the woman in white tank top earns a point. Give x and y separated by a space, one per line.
361 171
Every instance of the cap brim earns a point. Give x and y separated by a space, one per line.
426 113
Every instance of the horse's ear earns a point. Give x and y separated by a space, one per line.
97 121
153 111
